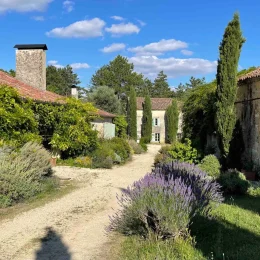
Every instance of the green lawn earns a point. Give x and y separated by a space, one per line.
233 230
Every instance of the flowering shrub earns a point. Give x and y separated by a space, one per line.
164 202
204 189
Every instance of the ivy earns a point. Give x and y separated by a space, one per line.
65 127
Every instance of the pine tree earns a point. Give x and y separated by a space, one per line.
161 87
229 53
171 122
132 123
146 130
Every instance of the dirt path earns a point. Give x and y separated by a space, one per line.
72 227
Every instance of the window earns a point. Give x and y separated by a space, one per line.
156 121
157 137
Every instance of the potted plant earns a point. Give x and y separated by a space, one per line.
55 153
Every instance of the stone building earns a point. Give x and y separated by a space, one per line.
30 82
159 106
248 114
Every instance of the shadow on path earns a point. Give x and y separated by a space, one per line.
52 247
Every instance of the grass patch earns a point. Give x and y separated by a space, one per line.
47 195
234 230
132 248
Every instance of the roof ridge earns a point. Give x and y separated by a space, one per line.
252 74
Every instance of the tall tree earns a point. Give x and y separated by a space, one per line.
105 98
229 53
118 74
147 123
171 122
60 80
132 118
182 91
161 87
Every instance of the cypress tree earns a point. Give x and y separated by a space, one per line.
132 123
171 122
229 53
146 130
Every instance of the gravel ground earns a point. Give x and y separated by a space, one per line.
72 227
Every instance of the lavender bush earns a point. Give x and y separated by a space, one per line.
163 204
204 188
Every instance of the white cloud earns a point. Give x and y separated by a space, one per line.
158 48
77 66
123 28
187 52
118 18
81 29
68 6
23 5
55 64
142 23
150 66
114 47
38 18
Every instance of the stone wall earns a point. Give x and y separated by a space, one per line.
31 67
248 113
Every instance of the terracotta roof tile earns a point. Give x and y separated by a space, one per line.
28 91
103 113
157 103
253 74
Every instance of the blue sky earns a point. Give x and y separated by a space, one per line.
179 37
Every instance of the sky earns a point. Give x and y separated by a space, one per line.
179 37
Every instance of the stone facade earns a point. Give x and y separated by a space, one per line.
158 125
31 67
248 113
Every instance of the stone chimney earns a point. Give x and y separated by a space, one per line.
74 91
31 64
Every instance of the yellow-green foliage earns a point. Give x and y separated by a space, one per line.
210 165
18 124
134 248
85 161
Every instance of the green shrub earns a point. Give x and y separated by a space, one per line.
23 172
133 248
106 163
143 142
121 147
137 148
234 182
210 165
18 123
183 152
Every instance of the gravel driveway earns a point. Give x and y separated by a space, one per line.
72 227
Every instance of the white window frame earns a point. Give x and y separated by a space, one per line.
157 137
156 121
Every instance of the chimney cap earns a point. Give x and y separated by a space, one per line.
31 47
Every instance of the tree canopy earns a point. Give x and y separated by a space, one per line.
161 87
119 74
104 98
229 53
60 80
